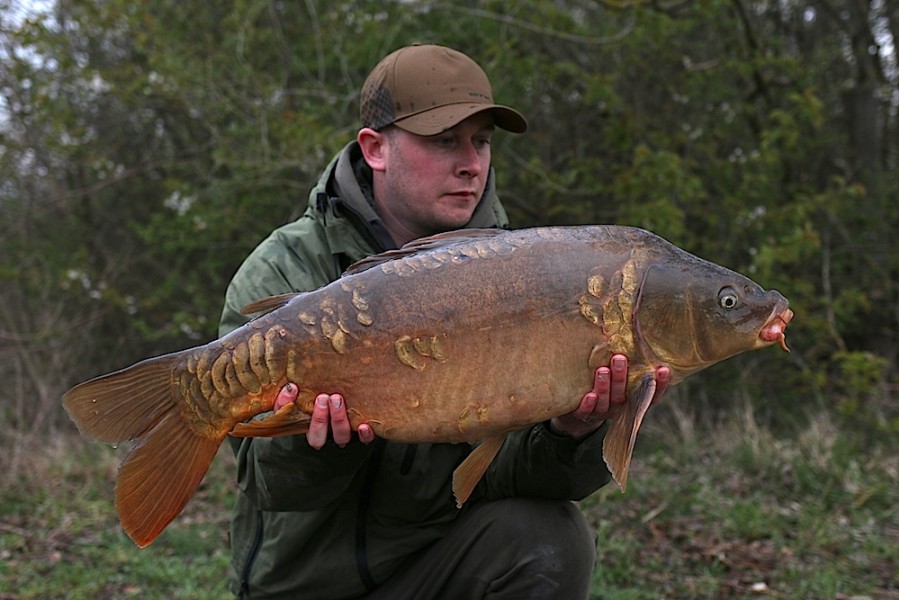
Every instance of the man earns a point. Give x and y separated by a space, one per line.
336 515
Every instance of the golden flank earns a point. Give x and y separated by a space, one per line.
462 337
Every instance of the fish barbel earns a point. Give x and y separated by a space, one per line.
461 337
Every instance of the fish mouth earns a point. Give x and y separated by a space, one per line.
773 331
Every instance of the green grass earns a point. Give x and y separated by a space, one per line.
740 513
60 538
724 509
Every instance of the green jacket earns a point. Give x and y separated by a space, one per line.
332 523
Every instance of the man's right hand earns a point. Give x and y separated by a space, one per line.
328 414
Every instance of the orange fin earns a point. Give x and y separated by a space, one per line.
618 445
159 475
123 405
469 473
267 305
168 459
288 420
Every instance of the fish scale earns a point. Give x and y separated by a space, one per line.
458 338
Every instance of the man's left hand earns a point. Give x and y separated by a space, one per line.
609 386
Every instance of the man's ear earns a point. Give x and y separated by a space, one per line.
375 148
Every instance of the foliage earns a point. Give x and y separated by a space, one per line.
146 148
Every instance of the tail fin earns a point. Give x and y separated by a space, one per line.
143 404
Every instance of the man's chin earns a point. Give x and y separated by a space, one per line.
458 218
453 224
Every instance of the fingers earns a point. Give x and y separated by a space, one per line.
287 395
609 385
329 416
366 435
618 385
340 424
321 421
583 420
663 378
602 385
587 406
609 390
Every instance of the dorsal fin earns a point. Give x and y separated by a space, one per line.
267 305
424 244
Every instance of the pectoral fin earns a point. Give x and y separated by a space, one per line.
618 446
288 420
469 473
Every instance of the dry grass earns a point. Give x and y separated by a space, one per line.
730 509
719 505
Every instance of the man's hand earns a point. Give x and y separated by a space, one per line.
609 386
328 413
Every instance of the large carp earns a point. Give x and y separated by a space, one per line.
461 337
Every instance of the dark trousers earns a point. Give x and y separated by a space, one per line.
513 549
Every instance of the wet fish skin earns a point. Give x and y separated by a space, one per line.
458 338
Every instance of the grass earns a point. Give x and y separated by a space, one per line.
60 538
739 513
724 509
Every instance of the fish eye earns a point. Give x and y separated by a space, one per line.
727 298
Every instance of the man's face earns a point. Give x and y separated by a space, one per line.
434 183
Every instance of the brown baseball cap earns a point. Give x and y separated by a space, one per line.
426 89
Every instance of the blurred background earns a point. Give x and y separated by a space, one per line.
147 147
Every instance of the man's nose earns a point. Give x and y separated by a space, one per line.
469 161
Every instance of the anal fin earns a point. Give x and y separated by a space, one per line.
618 445
288 420
469 473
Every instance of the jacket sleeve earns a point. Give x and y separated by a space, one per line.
285 473
537 462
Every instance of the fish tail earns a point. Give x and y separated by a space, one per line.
143 405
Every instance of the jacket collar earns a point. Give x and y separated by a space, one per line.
344 197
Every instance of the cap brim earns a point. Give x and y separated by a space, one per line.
441 118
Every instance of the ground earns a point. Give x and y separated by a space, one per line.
720 510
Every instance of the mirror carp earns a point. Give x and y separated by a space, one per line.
461 337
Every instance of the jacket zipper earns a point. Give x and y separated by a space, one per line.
365 495
251 558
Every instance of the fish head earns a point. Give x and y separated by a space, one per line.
692 314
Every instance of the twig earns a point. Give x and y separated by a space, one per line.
13 529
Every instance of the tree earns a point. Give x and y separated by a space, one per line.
147 148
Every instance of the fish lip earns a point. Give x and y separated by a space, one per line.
776 326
